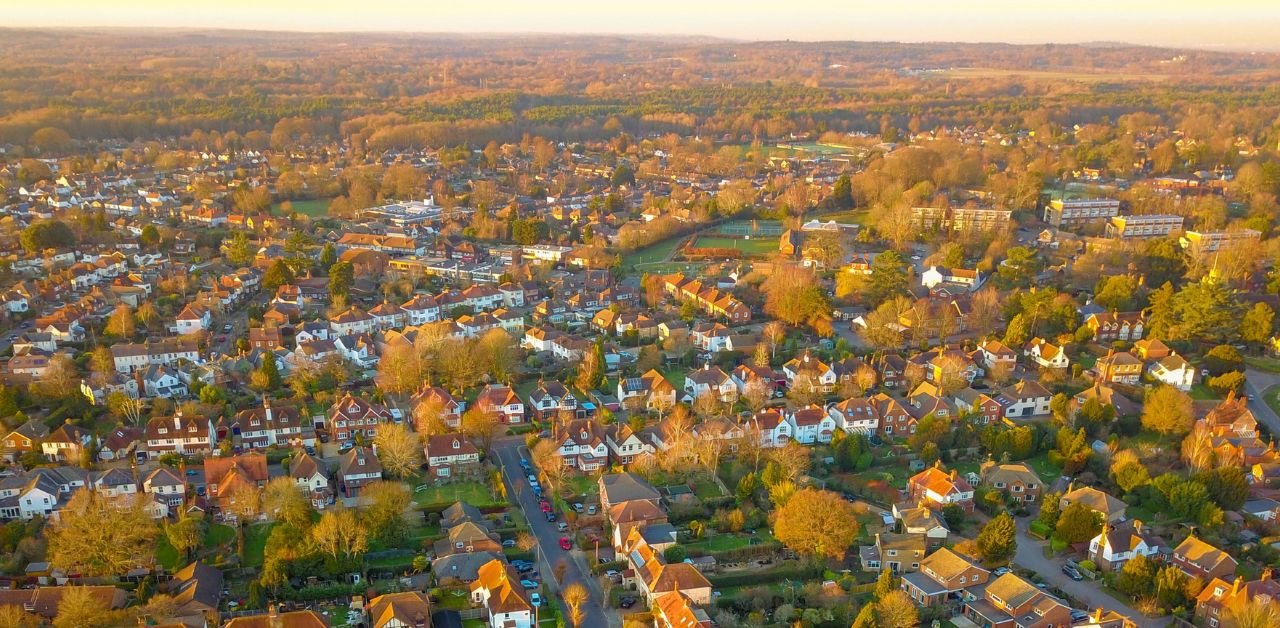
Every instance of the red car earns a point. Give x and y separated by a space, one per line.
565 544
545 507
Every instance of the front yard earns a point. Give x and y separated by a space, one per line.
472 492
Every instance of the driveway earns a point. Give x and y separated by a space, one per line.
1030 556
507 454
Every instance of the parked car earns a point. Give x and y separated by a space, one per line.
544 506
226 329
533 479
1001 571
528 584
509 543
578 507
627 602
535 599
551 517
565 543
1072 572
591 510
1078 616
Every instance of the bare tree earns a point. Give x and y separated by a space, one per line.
774 332
399 450
575 595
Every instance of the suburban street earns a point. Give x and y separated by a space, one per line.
1031 557
507 454
1256 383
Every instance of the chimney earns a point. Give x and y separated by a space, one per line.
953 474
1235 586
272 611
1097 615
177 419
266 407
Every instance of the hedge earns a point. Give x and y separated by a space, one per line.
805 572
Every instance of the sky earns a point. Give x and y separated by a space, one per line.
1230 24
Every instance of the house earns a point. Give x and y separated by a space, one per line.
1110 508
1011 601
1222 597
120 443
272 425
497 588
1174 371
1111 326
468 536
923 520
896 552
619 488
1107 396
351 416
312 477
807 368
502 401
855 416
1049 356
66 443
996 356
1118 368
160 381
963 278
1231 418
1026 398
196 590
625 445
407 609
24 438
550 398
979 407
233 479
431 402
633 515
1199 559
192 319
651 390
1016 480
677 610
275 618
179 434
944 576
936 488
654 578
463 568
1117 544
449 455
582 445
165 485
356 468
710 380
811 425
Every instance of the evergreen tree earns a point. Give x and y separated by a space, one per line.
341 276
328 256
997 542
1160 314
278 274
270 371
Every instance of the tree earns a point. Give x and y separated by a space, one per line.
80 607
591 369
285 502
150 237
12 616
1019 268
1258 612
187 533
1171 586
1018 331
1168 410
385 513
244 502
341 277
896 610
546 455
887 582
1128 471
340 535
793 296
147 314
399 369
269 372
1051 510
1231 382
998 541
575 596
1077 523
1206 310
1161 317
120 324
278 274
482 425
1136 577
239 250
888 277
100 537
122 405
816 523
399 450
1257 324
328 256
1228 486
61 379
46 234
792 460
866 617
51 140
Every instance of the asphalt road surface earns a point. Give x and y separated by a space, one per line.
507 454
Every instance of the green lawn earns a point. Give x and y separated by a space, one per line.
581 484
475 493
659 251
755 246
1047 470
314 207
725 542
1272 397
217 535
1200 392
255 543
168 557
1270 365
705 487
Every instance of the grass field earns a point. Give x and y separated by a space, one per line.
255 543
726 542
473 493
313 208
659 251
754 246
1272 397
1044 75
1270 365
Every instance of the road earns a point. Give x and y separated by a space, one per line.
1256 383
1030 556
507 454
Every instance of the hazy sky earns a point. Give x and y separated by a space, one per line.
1247 24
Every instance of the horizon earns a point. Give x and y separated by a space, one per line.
1244 25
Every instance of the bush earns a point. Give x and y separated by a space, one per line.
1038 528
1089 565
